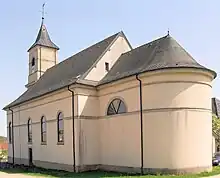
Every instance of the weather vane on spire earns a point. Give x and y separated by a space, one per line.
43 11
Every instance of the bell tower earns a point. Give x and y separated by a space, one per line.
42 55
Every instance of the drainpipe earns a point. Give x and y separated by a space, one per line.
141 119
12 130
73 125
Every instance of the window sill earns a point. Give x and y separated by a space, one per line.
43 143
60 143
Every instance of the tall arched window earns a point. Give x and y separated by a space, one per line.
43 130
29 131
60 127
9 132
117 106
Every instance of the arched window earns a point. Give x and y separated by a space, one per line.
117 106
43 129
29 131
60 127
9 132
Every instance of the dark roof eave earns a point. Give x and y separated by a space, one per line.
12 105
57 48
104 83
137 73
76 82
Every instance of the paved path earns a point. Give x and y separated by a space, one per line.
5 175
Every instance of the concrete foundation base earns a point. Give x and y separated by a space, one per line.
110 168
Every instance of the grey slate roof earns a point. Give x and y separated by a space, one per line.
43 38
67 71
216 106
160 54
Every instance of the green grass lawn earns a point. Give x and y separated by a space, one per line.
98 174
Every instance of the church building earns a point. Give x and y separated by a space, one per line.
113 107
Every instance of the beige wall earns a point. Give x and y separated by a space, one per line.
88 126
49 107
117 48
172 104
176 120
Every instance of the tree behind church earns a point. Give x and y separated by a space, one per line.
216 130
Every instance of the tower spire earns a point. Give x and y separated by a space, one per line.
43 38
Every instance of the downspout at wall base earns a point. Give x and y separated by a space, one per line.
73 125
12 129
141 122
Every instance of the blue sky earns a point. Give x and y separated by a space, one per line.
73 25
